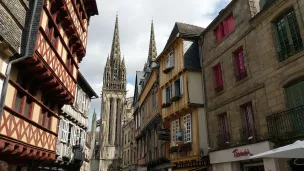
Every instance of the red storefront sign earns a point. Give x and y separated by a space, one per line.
238 153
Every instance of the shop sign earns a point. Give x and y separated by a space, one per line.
201 163
239 153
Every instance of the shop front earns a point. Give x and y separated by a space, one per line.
238 158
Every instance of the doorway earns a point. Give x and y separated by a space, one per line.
254 167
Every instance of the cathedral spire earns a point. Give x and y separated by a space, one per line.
115 50
152 46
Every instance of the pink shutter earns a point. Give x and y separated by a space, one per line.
226 27
219 32
230 21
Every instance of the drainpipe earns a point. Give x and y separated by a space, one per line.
26 55
204 85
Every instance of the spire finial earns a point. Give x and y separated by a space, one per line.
115 50
152 45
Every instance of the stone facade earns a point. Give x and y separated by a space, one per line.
128 139
266 78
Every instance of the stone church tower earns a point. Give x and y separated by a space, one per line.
113 99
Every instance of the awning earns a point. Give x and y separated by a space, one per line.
295 150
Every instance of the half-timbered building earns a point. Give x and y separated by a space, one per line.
73 125
151 150
41 82
182 99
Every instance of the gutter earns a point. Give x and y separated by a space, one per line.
25 56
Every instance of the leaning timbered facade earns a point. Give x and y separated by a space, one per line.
40 84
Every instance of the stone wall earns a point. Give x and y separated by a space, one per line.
266 76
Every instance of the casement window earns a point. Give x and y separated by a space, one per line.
70 134
224 28
83 101
178 87
288 35
295 95
22 103
223 136
65 130
168 94
187 127
248 119
69 64
153 100
170 60
217 71
240 68
175 129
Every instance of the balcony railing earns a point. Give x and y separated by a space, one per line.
286 125
223 139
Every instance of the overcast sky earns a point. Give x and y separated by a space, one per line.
134 18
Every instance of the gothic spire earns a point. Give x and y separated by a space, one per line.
115 50
152 45
123 62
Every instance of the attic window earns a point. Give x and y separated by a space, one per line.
169 63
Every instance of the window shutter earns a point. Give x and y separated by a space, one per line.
66 131
225 27
181 88
220 79
242 61
172 58
60 129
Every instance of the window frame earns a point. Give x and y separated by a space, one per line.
175 129
240 64
218 76
288 32
187 128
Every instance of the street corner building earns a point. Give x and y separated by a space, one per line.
41 44
252 57
183 100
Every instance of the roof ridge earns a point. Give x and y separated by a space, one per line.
189 24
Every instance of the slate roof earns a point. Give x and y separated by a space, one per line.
184 30
190 33
138 78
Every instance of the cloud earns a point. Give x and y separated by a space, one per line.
134 26
130 89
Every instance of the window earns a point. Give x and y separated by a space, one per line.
223 136
170 60
18 102
295 95
217 71
224 28
289 37
168 94
45 119
240 64
248 120
153 99
27 108
175 129
178 87
187 124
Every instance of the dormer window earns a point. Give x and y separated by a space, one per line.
169 65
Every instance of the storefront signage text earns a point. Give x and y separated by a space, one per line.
238 153
201 163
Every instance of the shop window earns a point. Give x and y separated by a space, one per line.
217 71
224 28
187 129
288 35
240 68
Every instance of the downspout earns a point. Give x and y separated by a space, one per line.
9 66
204 85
